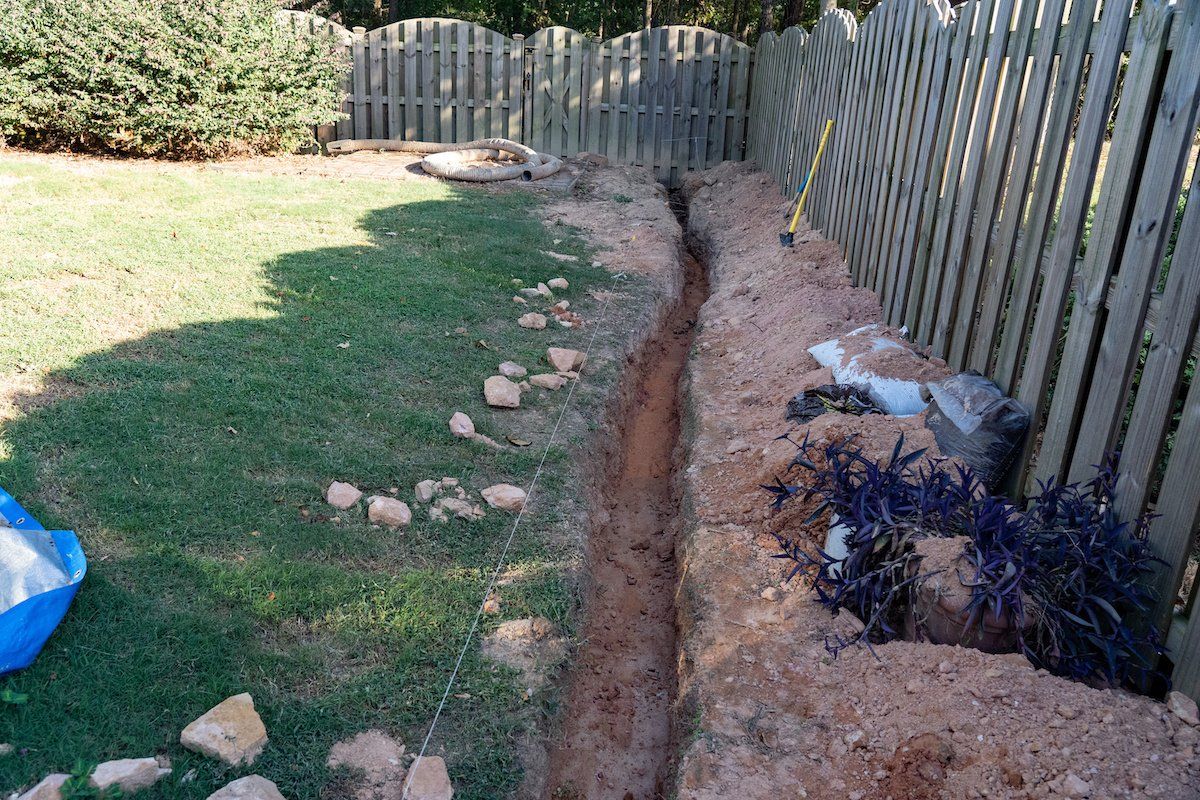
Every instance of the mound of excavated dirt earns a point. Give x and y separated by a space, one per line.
766 713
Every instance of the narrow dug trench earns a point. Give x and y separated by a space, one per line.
615 730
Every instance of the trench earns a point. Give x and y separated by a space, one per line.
615 730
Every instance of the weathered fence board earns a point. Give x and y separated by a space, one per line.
1008 182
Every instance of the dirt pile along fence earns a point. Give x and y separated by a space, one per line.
1010 178
1012 183
671 98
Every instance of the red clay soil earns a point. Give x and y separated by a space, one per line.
615 741
765 711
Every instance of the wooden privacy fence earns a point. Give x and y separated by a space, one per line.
1013 183
671 98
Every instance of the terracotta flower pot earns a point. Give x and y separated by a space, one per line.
939 611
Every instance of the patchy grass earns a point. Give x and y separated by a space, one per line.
171 387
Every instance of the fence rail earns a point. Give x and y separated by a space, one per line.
1015 199
671 99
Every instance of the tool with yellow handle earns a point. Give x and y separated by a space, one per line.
788 237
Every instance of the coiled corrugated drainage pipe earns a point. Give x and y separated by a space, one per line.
460 162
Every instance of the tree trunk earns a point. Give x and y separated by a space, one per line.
793 12
648 16
765 20
828 5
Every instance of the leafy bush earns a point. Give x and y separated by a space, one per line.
169 78
1065 570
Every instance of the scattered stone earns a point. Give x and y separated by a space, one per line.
736 446
568 374
504 496
549 381
530 292
544 290
130 774
1183 707
558 283
231 731
564 360
525 386
389 511
518 299
491 605
1067 712
378 758
1075 786
461 425
532 320
438 515
770 594
251 787
947 667
511 369
531 646
429 779
424 490
47 788
5 749
459 508
342 495
500 392
560 256
561 305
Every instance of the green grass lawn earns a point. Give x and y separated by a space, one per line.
176 394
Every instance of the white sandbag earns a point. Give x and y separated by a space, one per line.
900 398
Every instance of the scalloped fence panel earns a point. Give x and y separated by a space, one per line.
1013 180
671 99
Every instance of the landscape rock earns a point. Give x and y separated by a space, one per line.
564 360
251 787
549 381
560 256
500 392
438 515
525 386
543 290
424 490
342 495
531 646
561 305
518 299
459 508
532 320
389 511
504 496
1183 707
5 749
461 425
558 283
511 369
530 292
130 774
47 788
429 779
378 758
230 731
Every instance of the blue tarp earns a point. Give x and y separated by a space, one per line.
25 626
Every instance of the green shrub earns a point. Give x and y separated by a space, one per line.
168 78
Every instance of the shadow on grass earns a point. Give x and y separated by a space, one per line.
192 461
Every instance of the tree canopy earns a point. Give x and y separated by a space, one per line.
744 19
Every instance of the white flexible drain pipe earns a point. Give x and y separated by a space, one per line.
460 162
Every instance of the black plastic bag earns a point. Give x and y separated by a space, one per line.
972 419
842 398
